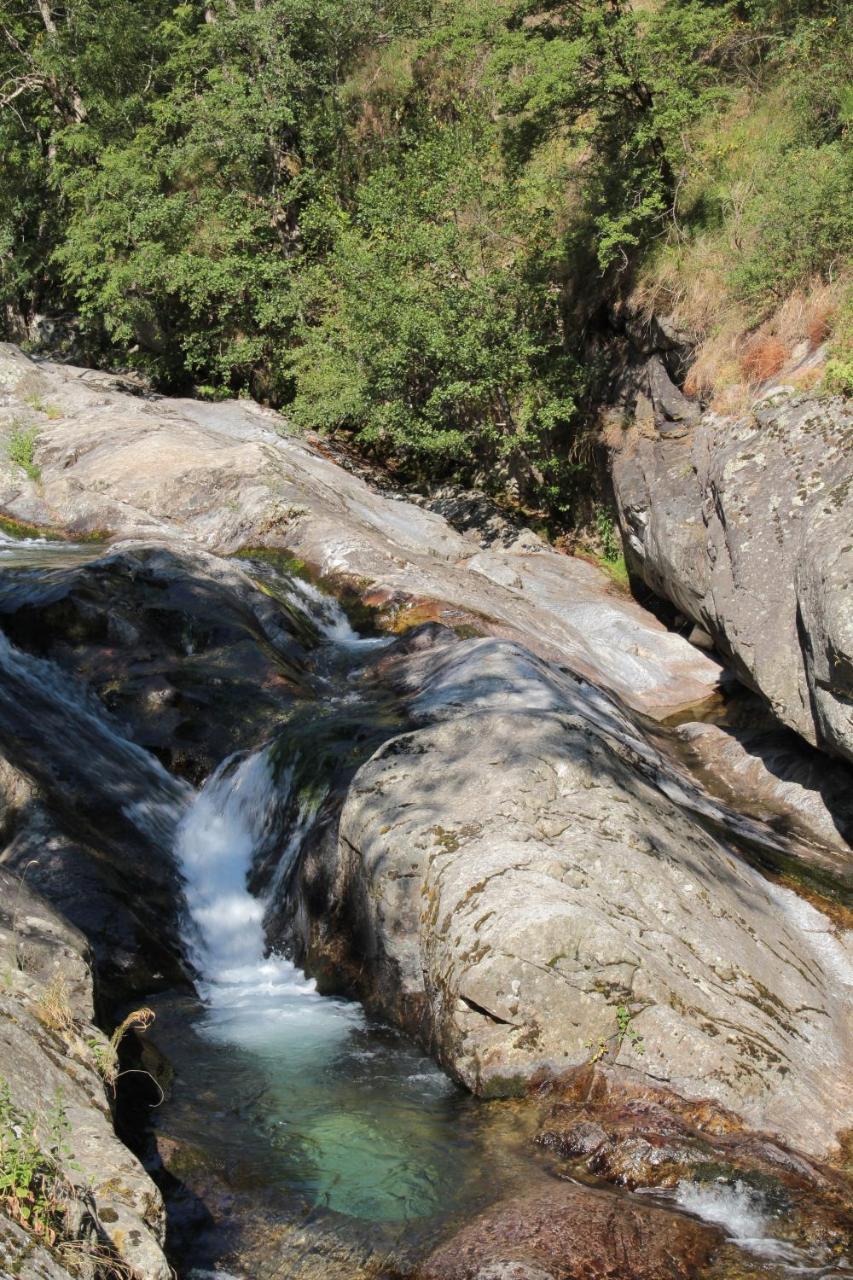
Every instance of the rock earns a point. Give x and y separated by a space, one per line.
49 1067
181 646
23 1257
227 476
570 1232
121 911
745 526
510 873
637 1134
674 413
769 774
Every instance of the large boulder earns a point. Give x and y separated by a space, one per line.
745 526
513 872
570 1232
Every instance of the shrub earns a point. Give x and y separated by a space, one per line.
798 224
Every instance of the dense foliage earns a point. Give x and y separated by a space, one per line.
404 218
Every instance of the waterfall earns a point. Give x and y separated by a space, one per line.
253 998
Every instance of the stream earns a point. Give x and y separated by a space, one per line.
304 1138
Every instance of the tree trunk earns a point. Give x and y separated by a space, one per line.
78 107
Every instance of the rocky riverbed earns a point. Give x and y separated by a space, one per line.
498 804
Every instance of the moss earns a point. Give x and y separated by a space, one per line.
281 560
499 1086
93 536
21 529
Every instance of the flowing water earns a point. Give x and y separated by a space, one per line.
319 1140
340 1116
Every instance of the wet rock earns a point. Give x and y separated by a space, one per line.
182 647
745 526
121 910
48 1064
227 476
570 1232
633 1133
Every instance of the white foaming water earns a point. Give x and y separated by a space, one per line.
740 1211
329 617
253 998
8 544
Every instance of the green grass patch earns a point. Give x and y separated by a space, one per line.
21 447
616 570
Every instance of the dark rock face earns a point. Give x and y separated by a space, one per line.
180 646
570 1232
746 527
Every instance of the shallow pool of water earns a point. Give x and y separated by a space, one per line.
317 1117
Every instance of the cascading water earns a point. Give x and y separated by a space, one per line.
743 1214
251 997
354 1112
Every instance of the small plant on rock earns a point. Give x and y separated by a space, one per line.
33 1189
625 1030
21 447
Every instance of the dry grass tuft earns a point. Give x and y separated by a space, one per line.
106 1055
53 1009
732 361
764 355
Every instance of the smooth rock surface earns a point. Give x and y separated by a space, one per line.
746 527
226 476
515 869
